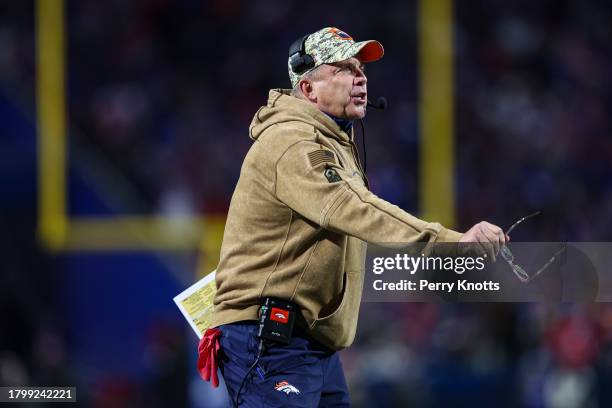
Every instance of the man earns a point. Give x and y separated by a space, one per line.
297 229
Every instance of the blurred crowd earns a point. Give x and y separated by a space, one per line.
509 355
163 92
533 125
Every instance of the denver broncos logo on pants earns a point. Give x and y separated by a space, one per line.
287 388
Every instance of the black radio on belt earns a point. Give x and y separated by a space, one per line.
276 319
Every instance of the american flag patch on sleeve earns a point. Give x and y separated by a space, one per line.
321 156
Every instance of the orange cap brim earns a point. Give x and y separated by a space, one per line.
371 51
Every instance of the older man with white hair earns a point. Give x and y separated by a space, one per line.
291 273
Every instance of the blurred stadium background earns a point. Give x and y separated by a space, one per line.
123 127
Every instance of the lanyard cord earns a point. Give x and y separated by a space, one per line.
363 143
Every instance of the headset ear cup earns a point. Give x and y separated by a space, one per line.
298 59
308 62
295 61
301 63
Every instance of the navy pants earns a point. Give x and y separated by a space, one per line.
301 374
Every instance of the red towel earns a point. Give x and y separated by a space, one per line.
208 354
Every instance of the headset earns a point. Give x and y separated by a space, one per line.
299 61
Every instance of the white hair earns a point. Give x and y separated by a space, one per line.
310 75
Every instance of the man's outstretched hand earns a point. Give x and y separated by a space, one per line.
487 237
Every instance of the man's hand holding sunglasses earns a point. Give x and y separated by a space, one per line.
486 240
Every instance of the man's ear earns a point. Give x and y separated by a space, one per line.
308 90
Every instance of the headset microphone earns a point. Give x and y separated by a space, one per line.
380 103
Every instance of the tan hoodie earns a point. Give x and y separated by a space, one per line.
299 220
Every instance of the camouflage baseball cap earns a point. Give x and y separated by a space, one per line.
331 44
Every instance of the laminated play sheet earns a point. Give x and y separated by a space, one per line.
196 303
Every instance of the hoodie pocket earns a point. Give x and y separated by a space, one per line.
337 330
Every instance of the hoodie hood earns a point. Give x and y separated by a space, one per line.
282 107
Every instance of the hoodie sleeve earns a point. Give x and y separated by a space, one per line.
313 184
